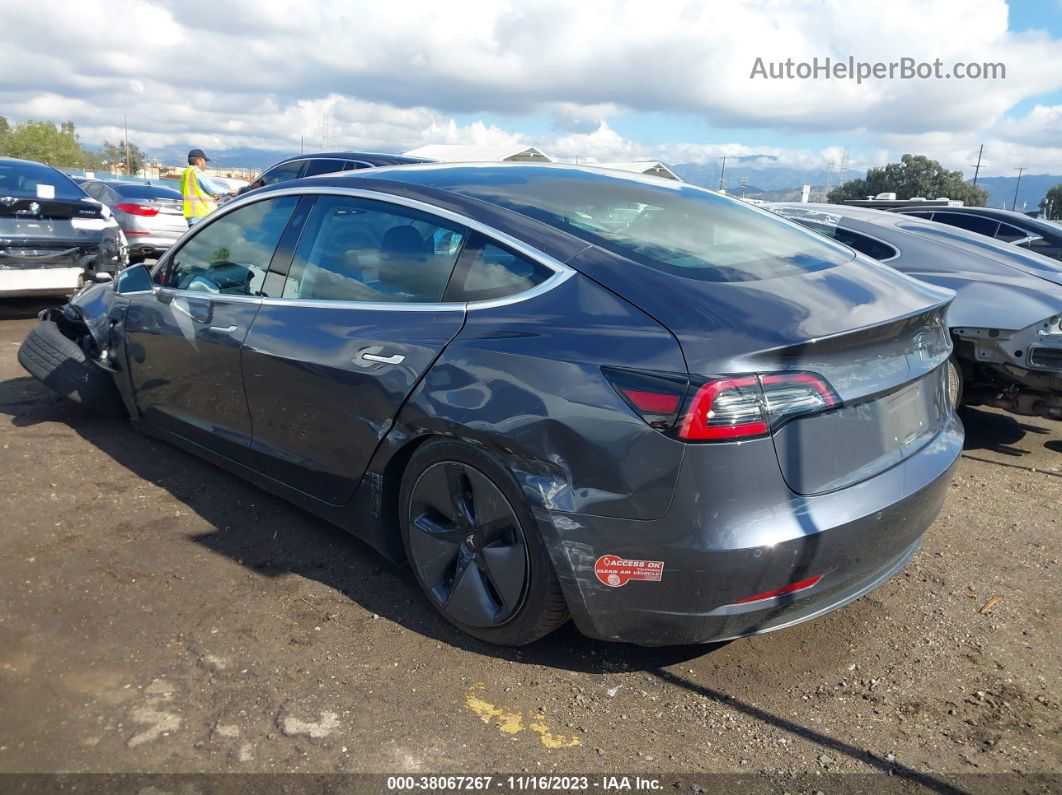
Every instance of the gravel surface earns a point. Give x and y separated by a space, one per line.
158 614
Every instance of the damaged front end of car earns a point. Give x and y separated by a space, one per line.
1019 370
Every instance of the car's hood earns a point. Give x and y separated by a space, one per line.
1006 301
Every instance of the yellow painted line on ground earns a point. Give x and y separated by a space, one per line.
510 721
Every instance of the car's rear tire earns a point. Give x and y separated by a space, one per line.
955 382
473 546
60 364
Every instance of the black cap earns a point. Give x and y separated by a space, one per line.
198 153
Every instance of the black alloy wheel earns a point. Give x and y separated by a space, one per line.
474 545
467 545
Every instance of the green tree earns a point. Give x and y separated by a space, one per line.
5 130
44 142
914 175
114 155
1051 204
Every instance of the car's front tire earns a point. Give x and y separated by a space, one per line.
60 364
473 546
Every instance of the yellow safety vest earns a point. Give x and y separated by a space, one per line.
197 202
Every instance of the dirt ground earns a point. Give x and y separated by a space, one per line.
158 614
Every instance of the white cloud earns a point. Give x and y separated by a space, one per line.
376 75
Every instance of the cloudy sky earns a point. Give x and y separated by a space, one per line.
590 80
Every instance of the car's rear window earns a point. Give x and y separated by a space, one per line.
675 228
36 180
132 191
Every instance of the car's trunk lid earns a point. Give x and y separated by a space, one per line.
878 337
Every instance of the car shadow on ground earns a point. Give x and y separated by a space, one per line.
273 538
998 433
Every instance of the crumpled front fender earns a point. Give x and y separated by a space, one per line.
99 307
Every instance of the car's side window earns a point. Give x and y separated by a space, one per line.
93 189
361 250
281 173
969 222
865 245
322 165
1008 233
231 255
494 271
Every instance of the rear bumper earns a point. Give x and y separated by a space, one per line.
39 281
147 245
723 545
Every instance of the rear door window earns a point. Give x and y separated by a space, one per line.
322 165
1008 233
362 250
863 244
969 222
281 173
492 271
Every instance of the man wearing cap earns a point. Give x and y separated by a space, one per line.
198 190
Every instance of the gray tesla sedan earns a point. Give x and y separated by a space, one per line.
1006 319
554 391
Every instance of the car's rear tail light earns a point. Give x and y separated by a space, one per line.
750 406
789 395
729 408
722 409
137 209
792 588
655 397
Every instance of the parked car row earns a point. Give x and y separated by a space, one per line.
1006 319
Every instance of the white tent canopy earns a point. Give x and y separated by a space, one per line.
461 153
654 168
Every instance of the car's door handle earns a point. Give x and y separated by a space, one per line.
396 358
224 329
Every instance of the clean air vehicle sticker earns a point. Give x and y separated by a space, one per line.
615 571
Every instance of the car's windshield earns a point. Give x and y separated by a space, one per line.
673 227
129 190
38 181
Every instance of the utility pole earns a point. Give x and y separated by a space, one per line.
829 180
302 142
977 168
125 124
1014 203
721 172
744 181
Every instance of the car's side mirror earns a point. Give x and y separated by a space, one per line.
134 279
243 190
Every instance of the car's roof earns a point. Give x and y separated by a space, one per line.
867 214
451 176
118 183
997 211
451 186
4 159
372 158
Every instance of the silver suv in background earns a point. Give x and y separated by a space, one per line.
150 215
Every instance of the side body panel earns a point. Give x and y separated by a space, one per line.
318 407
